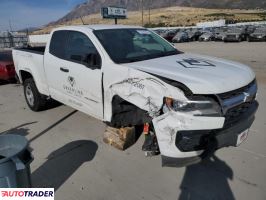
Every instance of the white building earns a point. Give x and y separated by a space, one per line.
218 23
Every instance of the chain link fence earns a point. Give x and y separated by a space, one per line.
13 39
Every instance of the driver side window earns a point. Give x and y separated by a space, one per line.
81 50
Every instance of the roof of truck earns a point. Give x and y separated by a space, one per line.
99 27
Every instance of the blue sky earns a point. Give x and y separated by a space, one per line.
32 13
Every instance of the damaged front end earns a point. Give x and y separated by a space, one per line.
190 130
186 126
179 149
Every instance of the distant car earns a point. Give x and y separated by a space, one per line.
219 33
207 37
258 35
235 35
219 36
248 31
7 69
181 37
169 35
193 35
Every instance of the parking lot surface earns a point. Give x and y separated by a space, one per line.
71 157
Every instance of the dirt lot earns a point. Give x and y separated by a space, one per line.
71 157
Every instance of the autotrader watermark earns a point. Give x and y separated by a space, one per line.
27 193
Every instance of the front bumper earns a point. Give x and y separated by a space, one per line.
202 142
227 136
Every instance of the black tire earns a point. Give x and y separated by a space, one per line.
34 99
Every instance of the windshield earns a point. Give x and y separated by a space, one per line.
132 45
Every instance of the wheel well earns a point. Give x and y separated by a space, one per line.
25 75
126 114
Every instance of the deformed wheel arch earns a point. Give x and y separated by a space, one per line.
126 114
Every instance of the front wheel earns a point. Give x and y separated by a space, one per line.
34 99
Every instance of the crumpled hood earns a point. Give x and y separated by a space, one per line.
201 74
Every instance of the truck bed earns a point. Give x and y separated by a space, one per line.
36 50
30 60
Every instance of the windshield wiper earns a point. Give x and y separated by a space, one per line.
169 53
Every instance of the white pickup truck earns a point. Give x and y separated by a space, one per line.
130 76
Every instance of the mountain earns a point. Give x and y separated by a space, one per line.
94 6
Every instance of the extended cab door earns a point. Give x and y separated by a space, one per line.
73 68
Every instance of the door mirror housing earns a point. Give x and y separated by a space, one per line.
93 61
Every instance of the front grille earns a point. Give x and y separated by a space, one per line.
234 115
237 92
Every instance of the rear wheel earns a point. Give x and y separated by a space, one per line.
34 99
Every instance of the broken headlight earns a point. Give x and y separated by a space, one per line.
199 106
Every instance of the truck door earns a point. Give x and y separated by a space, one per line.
74 73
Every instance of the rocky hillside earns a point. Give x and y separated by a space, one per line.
94 6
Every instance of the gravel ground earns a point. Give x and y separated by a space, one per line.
71 157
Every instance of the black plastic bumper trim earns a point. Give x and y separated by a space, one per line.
196 140
179 162
221 138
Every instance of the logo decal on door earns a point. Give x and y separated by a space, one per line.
71 88
71 81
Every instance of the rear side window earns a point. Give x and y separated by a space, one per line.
58 44
79 47
76 47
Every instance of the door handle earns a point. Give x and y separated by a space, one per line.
64 69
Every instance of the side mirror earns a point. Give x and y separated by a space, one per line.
93 61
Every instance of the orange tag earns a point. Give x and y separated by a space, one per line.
146 128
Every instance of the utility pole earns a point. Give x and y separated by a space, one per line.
149 4
10 26
149 15
81 20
